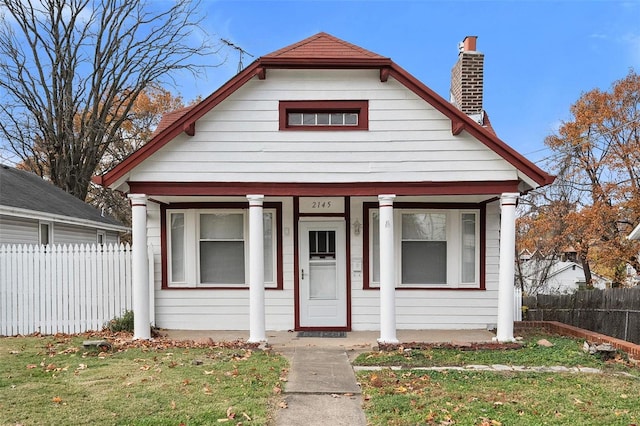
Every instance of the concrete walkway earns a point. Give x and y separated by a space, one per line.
321 387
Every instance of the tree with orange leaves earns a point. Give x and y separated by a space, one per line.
595 201
138 128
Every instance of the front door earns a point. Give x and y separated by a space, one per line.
322 275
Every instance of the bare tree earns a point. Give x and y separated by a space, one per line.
71 70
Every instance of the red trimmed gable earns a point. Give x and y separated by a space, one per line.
323 45
323 51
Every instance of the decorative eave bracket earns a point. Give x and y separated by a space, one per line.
190 128
384 74
457 126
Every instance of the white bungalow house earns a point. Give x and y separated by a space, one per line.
34 212
326 188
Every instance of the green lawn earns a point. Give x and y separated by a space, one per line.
56 381
418 397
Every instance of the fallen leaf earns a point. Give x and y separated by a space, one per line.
335 395
277 390
207 390
283 404
173 405
246 416
375 381
208 373
145 367
56 399
230 413
30 366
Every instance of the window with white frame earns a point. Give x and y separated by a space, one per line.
434 248
209 248
101 237
44 233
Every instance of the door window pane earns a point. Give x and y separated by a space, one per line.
323 280
322 244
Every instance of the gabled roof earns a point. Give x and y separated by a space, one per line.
323 45
23 193
324 51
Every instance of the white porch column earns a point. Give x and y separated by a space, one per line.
257 331
387 271
140 267
507 268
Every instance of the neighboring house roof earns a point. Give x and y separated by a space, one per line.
26 194
530 267
324 51
635 234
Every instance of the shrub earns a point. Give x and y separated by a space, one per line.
123 323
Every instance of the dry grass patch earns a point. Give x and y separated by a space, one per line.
55 380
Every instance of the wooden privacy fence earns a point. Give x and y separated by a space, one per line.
614 312
62 289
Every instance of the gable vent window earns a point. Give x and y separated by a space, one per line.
324 115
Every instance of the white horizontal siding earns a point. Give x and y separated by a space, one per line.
407 140
15 230
69 234
196 309
415 309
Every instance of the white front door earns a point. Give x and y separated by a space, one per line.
322 275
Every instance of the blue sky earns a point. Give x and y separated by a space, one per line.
540 56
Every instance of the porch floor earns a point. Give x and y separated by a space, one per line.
362 340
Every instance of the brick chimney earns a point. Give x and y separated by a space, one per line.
467 80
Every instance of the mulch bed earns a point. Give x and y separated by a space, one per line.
459 346
121 341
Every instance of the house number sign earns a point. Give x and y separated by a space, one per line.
321 205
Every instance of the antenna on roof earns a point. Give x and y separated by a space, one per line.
240 50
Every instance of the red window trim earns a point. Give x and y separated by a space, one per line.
277 206
359 107
366 207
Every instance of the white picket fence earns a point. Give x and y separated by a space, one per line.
517 304
62 289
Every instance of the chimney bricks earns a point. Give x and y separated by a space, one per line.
467 79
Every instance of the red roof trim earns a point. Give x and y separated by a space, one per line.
323 189
460 121
365 59
181 124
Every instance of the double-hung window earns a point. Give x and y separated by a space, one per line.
434 248
209 248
